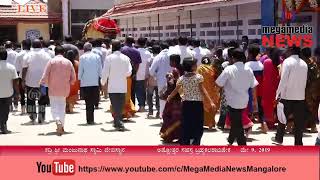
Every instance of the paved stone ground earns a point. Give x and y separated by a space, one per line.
140 131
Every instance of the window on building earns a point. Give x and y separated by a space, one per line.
173 34
156 34
234 23
222 24
202 33
205 25
251 31
170 27
150 28
134 29
239 32
303 19
227 32
122 29
167 34
181 26
194 33
145 35
159 28
143 29
254 22
259 31
211 33
188 26
185 33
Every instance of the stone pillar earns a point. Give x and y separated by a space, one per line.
65 16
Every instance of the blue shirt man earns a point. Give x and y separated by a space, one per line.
89 76
89 69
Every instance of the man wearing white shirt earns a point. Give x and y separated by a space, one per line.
160 67
8 81
101 51
199 52
140 87
182 49
26 46
116 71
291 93
12 59
46 49
106 47
52 45
33 66
12 55
152 86
236 80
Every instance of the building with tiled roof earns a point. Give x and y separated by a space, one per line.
32 19
212 21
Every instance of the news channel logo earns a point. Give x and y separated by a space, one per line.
34 94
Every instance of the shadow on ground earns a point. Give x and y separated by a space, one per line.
53 134
156 125
205 129
85 124
114 130
36 123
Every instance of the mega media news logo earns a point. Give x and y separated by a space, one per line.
58 167
287 36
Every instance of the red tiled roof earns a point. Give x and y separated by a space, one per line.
142 6
10 13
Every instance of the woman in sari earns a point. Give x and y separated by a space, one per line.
271 80
210 74
172 113
74 89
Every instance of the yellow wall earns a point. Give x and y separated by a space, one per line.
42 27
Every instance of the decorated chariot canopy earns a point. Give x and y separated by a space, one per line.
298 5
290 8
101 27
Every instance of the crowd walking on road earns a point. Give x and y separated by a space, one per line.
180 81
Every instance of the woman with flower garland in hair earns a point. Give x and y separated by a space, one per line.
210 74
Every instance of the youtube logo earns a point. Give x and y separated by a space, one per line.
59 167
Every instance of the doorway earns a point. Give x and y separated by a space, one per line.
8 32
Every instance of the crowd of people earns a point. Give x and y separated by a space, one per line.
188 84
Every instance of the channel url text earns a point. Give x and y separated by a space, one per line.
183 169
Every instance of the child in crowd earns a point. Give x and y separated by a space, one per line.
192 103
